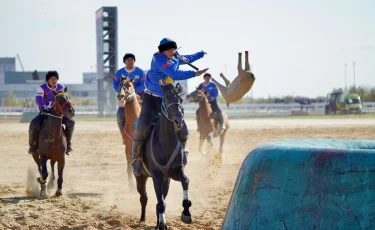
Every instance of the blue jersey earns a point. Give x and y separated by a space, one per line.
211 89
136 73
168 71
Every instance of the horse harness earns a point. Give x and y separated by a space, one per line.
165 168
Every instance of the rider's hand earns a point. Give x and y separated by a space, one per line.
200 72
44 110
205 53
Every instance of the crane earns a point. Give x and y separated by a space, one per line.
19 59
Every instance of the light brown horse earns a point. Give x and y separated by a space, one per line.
130 100
208 125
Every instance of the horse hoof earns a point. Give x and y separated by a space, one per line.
142 220
162 226
58 193
43 194
186 219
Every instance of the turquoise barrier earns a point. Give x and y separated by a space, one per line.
28 116
305 184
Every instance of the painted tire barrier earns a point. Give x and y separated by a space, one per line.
305 184
28 116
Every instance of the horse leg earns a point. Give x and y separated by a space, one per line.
129 167
239 65
60 169
247 64
166 184
222 138
157 178
37 161
50 184
44 174
209 143
201 141
226 81
186 203
141 188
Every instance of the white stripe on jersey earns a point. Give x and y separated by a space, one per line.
40 92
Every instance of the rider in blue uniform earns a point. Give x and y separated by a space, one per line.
130 71
165 67
211 90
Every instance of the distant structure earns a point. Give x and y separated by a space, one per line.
6 65
106 50
35 75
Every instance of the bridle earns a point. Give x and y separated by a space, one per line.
164 108
61 107
130 95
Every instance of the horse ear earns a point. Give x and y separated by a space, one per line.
65 89
54 93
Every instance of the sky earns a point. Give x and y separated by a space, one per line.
296 47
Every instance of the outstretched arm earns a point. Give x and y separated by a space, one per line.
192 57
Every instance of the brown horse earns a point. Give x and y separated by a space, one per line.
52 142
208 125
130 100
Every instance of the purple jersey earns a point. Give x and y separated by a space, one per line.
45 97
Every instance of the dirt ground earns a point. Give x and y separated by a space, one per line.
95 190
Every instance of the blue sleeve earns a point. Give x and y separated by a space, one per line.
116 80
171 69
142 79
191 58
214 91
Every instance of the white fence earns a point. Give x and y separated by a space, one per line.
232 110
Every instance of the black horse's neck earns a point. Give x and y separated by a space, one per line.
54 122
168 134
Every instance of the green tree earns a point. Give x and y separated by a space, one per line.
11 99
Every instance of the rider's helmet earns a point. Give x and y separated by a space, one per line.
128 55
52 73
166 44
205 75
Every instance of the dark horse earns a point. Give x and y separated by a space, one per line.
208 125
130 100
52 141
163 157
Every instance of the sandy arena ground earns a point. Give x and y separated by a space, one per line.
95 189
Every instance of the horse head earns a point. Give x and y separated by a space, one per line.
126 91
62 105
197 96
172 104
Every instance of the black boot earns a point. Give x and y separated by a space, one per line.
137 156
186 152
197 118
121 125
221 121
33 136
68 135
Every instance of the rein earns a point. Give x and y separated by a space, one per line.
51 115
61 106
165 168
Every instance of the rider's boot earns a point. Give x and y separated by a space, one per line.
121 125
221 122
33 136
186 152
197 118
68 135
137 156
